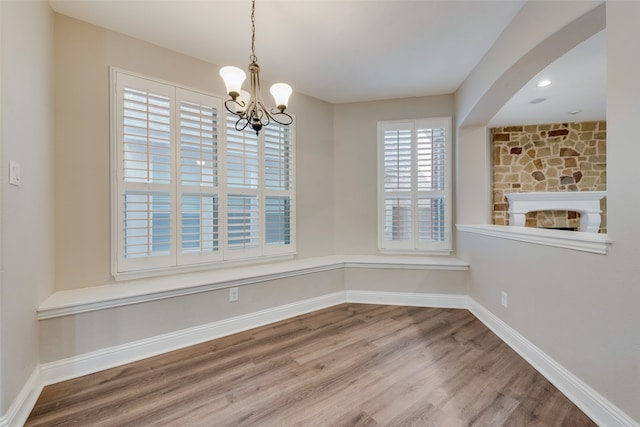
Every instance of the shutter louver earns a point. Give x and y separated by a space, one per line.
431 219
431 160
147 135
397 160
242 157
278 220
277 157
199 228
198 145
398 220
242 222
147 224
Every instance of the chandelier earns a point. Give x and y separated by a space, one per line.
249 106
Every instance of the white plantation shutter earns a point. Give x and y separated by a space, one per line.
241 157
243 184
188 188
278 189
198 145
243 219
277 220
200 232
414 185
146 225
199 178
277 158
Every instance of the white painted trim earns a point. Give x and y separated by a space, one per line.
65 303
575 240
71 308
588 400
407 263
409 299
99 360
24 402
596 406
585 202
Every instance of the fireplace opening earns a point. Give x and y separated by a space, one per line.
553 220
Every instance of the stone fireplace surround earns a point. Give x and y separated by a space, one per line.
561 157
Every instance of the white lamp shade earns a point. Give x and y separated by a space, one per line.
281 93
233 78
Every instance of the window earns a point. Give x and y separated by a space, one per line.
189 189
414 185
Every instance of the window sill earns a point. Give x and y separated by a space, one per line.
65 303
574 240
437 253
190 268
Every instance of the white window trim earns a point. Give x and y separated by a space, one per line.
438 248
267 253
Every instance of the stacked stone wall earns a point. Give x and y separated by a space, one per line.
549 157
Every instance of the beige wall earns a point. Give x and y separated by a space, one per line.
472 181
407 280
69 336
26 211
355 149
579 308
83 55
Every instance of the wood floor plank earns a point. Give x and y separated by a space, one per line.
348 365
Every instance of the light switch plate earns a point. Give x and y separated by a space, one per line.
14 173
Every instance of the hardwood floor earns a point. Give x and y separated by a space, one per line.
349 365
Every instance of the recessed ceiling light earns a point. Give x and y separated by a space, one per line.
537 100
574 112
544 83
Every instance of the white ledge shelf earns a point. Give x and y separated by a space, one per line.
65 303
575 240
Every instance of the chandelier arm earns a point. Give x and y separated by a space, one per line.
265 117
235 111
240 128
274 115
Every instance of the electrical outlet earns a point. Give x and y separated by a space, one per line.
233 294
504 299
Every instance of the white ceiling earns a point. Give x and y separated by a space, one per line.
336 50
577 92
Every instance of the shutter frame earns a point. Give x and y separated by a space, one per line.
198 132
408 209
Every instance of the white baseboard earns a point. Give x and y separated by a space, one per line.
602 411
596 406
406 298
21 407
99 360
88 363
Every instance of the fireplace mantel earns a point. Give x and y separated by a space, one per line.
585 202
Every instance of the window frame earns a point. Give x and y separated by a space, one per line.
414 245
178 260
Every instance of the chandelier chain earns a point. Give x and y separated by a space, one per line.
253 32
